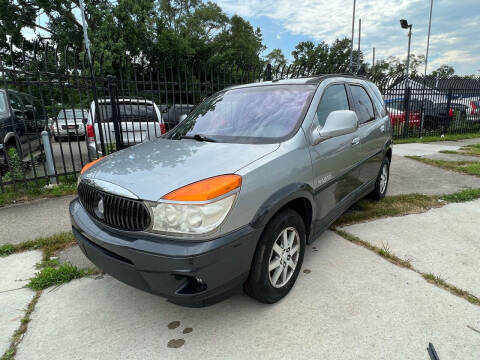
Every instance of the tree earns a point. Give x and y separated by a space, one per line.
323 58
156 31
443 71
276 58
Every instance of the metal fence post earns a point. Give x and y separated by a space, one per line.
407 111
49 157
268 73
117 128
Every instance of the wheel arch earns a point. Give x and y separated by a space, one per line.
297 196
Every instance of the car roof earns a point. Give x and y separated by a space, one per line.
310 80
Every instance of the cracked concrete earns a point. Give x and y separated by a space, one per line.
15 271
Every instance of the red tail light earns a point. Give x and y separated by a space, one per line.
450 112
474 108
163 129
90 133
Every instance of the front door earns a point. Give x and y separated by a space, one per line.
334 160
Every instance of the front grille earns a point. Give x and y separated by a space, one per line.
118 212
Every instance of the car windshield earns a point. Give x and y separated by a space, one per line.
257 114
76 114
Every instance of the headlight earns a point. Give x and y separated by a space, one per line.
191 219
197 208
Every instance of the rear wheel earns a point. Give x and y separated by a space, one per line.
381 183
278 258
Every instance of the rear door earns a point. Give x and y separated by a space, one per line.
334 160
372 118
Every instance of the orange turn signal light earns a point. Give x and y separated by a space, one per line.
206 189
89 165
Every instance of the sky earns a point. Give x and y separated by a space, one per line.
454 40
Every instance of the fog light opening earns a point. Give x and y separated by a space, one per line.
193 285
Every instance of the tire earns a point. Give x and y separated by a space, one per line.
260 283
56 138
381 184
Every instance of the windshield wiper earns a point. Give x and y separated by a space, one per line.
198 137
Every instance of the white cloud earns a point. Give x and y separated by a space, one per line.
455 24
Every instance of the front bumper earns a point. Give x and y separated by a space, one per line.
191 273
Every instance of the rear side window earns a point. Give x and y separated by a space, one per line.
363 104
3 102
334 98
130 113
378 99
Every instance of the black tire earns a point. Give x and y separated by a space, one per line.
259 284
380 191
56 138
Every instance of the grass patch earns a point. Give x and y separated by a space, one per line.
465 167
446 137
399 205
7 249
470 150
18 335
49 245
383 252
32 190
433 279
367 209
50 276
462 196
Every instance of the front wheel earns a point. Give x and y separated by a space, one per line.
381 183
278 258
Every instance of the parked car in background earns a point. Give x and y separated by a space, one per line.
139 119
69 123
435 115
172 114
233 193
22 119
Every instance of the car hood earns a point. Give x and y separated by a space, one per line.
154 168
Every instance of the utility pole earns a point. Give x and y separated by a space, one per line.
428 37
373 59
353 30
359 39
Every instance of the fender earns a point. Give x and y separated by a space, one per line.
279 199
9 137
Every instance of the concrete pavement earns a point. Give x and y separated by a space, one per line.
27 221
443 241
15 270
352 305
409 176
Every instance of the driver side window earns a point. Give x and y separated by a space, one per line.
334 98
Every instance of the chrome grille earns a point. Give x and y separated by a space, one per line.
118 212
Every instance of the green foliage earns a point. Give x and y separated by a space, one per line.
443 71
50 276
276 58
48 245
466 167
7 249
15 165
324 58
158 31
32 190
462 196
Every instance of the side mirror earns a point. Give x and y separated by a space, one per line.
340 122
182 117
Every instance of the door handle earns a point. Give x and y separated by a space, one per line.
356 141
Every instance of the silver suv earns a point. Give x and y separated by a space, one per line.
233 194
